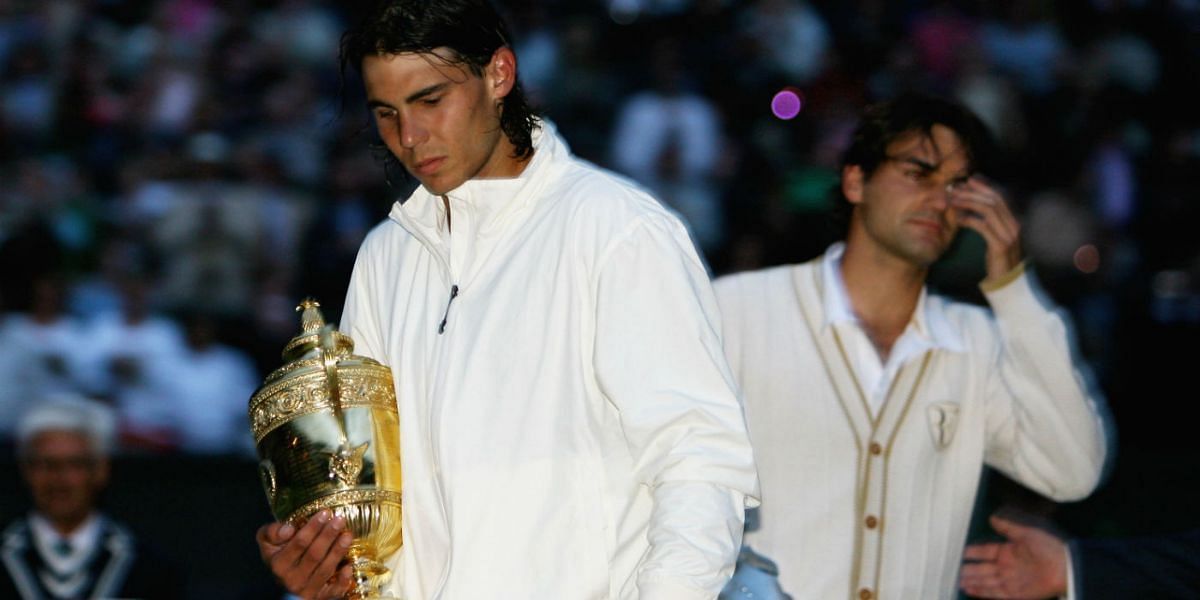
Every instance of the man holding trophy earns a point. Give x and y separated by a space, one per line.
568 426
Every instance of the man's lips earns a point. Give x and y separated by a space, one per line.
429 165
932 225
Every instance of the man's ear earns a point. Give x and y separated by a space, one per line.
500 75
852 183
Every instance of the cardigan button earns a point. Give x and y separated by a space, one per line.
875 448
871 521
865 594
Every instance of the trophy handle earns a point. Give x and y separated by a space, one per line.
328 349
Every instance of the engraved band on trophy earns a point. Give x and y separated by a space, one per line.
327 432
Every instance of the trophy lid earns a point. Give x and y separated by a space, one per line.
309 339
320 372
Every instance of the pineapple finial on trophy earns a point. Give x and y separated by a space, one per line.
311 320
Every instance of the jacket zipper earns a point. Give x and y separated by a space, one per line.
446 315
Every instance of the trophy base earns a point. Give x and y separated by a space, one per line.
367 595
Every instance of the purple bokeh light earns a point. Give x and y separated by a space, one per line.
786 104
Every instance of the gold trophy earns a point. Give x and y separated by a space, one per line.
328 437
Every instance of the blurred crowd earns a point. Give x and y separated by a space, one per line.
175 175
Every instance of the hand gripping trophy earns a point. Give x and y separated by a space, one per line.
327 431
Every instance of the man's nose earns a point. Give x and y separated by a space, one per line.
939 195
412 133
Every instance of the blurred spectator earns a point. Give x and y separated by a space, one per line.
1121 58
939 36
791 36
27 96
299 30
34 202
284 211
131 359
627 11
120 257
213 384
46 346
994 98
668 138
28 252
168 95
208 231
293 129
331 242
1026 45
1057 227
898 72
66 547
189 24
1111 180
582 101
539 50
93 113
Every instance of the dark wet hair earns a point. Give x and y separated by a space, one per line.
885 122
472 29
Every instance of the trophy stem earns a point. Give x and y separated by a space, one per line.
369 578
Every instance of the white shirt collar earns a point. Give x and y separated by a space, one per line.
928 323
83 541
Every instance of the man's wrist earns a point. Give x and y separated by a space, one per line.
991 284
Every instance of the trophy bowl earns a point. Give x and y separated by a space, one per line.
327 432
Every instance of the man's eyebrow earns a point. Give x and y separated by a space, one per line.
929 167
414 97
427 91
912 160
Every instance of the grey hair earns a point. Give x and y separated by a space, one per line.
72 413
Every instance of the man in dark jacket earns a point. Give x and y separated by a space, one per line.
65 547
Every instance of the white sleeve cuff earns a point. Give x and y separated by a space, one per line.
662 589
1072 593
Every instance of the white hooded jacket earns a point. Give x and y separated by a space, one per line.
569 425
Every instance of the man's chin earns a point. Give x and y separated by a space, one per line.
62 512
439 184
435 187
926 255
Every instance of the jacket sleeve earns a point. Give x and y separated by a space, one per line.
1044 421
658 359
359 317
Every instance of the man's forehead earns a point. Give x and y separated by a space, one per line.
439 58
431 63
59 438
442 56
937 146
